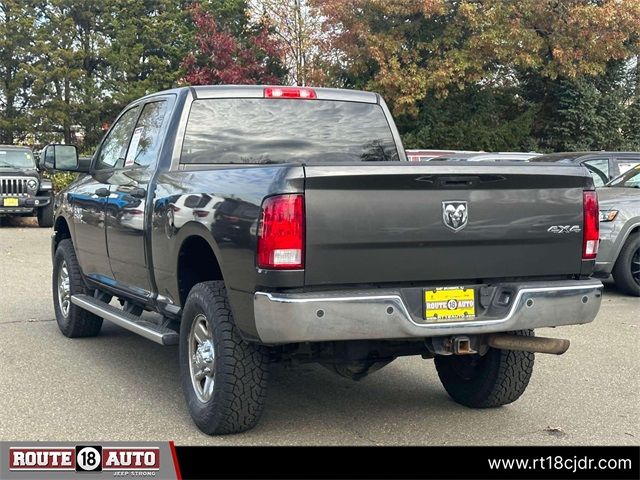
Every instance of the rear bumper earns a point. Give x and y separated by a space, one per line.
393 314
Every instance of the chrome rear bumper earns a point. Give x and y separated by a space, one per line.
384 314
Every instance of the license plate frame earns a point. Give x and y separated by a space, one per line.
449 304
10 202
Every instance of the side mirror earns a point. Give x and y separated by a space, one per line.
57 156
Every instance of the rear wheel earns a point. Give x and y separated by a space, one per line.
626 271
497 378
72 320
224 378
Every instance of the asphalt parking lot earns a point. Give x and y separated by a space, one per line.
119 386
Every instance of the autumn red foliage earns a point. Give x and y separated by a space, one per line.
222 58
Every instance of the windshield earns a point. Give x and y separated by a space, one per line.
630 179
15 158
248 130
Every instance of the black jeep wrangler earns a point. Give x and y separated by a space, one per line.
23 190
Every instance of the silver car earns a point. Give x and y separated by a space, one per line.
619 251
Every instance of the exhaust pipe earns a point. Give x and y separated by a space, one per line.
502 341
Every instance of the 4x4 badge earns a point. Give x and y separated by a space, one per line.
455 214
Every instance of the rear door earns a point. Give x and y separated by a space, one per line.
403 222
129 195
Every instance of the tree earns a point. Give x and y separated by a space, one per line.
223 57
70 45
476 118
632 120
17 74
301 28
407 49
99 56
147 42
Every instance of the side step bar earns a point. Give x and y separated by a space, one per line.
157 333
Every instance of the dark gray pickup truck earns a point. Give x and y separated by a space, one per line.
256 224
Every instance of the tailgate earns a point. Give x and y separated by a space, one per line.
400 222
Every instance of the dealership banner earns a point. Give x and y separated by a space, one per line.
65 460
99 460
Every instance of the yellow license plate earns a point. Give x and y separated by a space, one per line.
10 202
449 304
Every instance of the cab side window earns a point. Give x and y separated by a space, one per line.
114 148
599 169
626 164
147 138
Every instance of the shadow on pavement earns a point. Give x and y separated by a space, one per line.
611 289
18 222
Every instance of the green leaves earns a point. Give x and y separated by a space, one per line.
491 74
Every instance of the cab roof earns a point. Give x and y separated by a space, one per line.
257 91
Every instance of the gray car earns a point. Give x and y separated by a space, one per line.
619 251
488 157
603 166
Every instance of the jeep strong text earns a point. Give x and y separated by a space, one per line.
252 225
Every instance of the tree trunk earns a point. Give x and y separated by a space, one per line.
67 117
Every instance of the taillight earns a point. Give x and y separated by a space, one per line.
591 225
290 92
281 233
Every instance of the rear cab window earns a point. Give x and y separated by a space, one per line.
263 131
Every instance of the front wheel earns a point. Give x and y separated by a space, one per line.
72 320
45 215
224 378
626 272
497 378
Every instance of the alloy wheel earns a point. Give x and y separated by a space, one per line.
635 266
64 289
202 358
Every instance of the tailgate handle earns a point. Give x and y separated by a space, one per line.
458 181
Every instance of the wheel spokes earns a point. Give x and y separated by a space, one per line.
635 267
201 358
207 389
64 289
200 333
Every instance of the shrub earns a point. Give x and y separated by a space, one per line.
60 180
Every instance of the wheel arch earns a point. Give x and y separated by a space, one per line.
61 230
197 261
630 230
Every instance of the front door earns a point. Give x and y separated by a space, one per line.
129 196
89 199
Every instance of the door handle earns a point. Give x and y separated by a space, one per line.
102 192
138 192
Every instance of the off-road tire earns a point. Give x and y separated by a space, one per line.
622 270
45 215
79 322
240 368
497 378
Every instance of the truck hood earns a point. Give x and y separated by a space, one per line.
18 172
